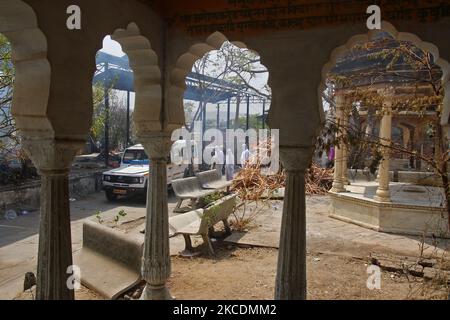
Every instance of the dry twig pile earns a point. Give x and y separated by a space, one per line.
251 184
318 180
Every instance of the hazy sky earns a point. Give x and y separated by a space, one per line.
112 47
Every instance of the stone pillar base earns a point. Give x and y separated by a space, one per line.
382 195
338 186
156 293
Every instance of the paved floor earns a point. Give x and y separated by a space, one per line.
333 236
19 239
401 193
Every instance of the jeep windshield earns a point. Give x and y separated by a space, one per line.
138 157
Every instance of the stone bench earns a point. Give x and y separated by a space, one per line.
189 189
199 222
212 180
110 260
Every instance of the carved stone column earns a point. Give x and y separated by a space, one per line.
156 266
291 271
338 185
383 193
53 159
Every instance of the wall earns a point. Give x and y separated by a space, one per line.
26 196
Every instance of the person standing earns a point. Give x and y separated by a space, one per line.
229 166
245 155
218 160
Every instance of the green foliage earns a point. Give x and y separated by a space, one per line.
99 115
98 216
117 116
121 214
210 214
207 200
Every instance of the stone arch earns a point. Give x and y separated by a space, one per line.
147 78
184 65
404 36
18 22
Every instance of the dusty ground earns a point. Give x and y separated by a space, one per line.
249 274
337 258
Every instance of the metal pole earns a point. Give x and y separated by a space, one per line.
128 118
203 127
247 125
218 116
204 116
106 92
264 114
228 113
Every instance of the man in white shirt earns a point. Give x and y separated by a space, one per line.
245 155
217 160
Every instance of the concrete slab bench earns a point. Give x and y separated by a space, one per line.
110 260
211 179
189 189
199 222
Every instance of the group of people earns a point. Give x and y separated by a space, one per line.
220 160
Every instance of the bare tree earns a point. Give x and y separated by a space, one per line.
232 64
7 128
402 62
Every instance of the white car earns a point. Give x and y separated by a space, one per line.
132 175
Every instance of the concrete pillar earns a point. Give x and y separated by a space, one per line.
156 267
291 271
53 159
383 194
338 185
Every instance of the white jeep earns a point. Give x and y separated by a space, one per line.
132 176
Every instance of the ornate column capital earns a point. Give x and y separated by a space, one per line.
51 156
157 144
340 100
386 110
296 159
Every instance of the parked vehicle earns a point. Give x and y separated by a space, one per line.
131 178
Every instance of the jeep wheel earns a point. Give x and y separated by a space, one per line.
110 196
